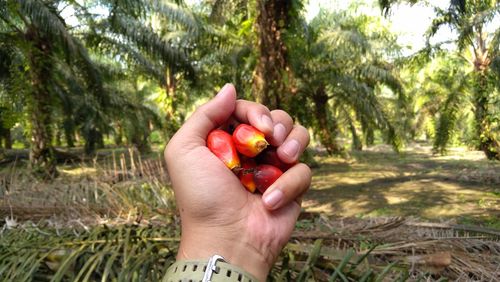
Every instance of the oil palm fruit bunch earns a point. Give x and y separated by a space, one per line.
248 154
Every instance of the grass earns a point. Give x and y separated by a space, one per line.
415 183
114 219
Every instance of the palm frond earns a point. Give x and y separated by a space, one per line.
145 64
443 18
385 5
349 39
487 14
494 47
377 72
366 104
46 19
88 68
176 14
451 108
124 253
147 40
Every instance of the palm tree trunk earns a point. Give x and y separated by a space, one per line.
5 135
327 129
170 89
271 72
69 132
357 145
118 136
42 157
368 132
486 140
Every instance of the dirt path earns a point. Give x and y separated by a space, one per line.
462 185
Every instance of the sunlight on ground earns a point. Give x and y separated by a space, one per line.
393 200
79 171
377 183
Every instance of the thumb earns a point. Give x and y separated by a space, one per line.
208 117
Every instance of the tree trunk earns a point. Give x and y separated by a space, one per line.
368 133
272 72
356 141
42 157
93 140
69 132
327 129
118 136
172 124
483 127
5 135
58 137
8 140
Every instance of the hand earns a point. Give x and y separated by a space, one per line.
218 215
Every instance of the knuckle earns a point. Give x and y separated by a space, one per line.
304 132
283 116
265 109
200 110
305 171
301 129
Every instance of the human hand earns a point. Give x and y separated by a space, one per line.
218 215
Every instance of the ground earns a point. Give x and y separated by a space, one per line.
364 214
461 186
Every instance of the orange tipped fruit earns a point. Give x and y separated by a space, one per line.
221 144
249 141
246 174
265 175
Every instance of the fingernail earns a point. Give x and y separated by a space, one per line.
272 199
291 148
279 133
223 89
267 122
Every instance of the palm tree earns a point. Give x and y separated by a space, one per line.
59 70
272 79
470 19
340 70
157 38
38 35
265 50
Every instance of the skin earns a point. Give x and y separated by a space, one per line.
218 215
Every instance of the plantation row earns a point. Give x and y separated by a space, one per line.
130 72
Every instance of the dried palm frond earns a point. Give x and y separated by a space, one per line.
124 253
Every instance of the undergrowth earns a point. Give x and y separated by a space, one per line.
116 221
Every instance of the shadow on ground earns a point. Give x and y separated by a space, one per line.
380 183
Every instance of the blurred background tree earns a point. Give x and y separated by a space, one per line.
127 73
477 39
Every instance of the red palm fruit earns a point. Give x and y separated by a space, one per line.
246 174
249 141
270 156
265 175
221 144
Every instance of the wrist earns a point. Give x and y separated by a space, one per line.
203 244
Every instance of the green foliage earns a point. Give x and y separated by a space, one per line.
322 263
475 23
84 62
125 68
137 253
455 84
342 55
125 253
